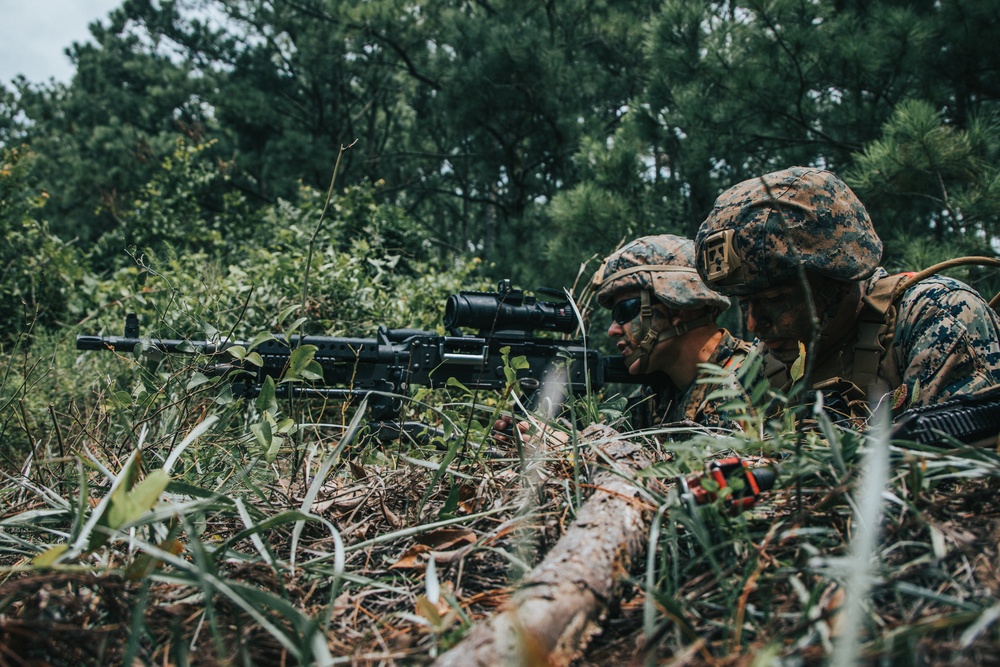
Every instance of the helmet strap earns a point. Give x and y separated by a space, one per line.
651 338
645 346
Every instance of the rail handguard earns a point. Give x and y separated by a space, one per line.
972 420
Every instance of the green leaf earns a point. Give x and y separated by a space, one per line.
197 380
453 382
266 401
147 492
286 426
758 392
272 451
237 351
121 399
314 371
799 365
520 363
128 506
301 365
708 484
262 431
301 356
293 328
49 556
285 313
260 338
186 347
723 393
658 470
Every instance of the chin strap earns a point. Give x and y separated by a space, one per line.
651 338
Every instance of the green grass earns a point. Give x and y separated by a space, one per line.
138 504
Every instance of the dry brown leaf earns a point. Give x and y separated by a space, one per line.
446 538
389 515
411 558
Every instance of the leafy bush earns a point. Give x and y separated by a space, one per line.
187 206
38 271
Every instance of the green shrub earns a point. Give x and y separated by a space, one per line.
188 206
37 270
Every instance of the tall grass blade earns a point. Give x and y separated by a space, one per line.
649 604
864 545
195 433
331 460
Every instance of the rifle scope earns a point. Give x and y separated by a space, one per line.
507 310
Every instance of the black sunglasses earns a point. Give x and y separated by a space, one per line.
626 311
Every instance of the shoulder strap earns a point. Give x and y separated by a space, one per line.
876 326
951 263
877 321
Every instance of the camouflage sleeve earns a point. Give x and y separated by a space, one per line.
641 408
946 341
726 409
720 413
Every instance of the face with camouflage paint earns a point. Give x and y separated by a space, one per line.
681 338
661 270
628 335
780 316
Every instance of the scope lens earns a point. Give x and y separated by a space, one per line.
451 314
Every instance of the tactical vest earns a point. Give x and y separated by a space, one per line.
852 370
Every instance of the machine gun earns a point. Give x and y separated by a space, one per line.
385 367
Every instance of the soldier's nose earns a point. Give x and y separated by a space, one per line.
757 321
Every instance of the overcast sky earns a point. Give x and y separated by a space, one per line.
35 33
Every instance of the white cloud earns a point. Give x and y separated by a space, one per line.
36 34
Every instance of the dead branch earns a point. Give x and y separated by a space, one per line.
560 603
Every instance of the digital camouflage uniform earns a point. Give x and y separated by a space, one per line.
946 341
663 266
941 336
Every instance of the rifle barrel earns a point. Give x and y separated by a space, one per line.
167 345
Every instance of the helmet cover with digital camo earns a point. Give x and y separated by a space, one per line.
760 230
663 266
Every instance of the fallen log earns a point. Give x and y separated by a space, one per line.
560 603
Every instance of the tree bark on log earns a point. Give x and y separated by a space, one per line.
558 606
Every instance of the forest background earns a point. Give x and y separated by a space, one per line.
533 139
219 165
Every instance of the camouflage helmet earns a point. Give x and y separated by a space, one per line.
761 229
663 264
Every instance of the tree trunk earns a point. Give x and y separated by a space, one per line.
560 603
